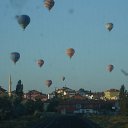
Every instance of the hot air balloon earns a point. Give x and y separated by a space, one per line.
70 52
15 56
48 82
110 67
23 20
40 62
63 78
49 4
109 26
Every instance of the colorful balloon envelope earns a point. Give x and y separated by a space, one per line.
48 82
110 67
70 52
49 4
109 26
15 56
23 20
40 62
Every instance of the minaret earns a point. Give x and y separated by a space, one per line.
10 86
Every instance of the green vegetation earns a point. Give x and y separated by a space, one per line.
123 101
13 107
19 90
116 121
52 107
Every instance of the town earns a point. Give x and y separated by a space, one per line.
85 104
71 101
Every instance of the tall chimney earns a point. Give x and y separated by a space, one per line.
10 86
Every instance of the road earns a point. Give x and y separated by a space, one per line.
66 121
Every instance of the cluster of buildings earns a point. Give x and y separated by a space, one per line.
81 101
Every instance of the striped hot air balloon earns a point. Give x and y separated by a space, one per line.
49 4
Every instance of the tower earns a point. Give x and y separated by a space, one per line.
10 86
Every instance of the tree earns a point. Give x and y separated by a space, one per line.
52 107
19 89
123 100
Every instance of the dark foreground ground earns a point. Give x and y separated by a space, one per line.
47 120
66 121
111 121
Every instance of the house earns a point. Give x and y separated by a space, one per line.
51 95
78 97
90 95
83 92
34 95
111 94
86 106
63 92
98 95
79 106
67 92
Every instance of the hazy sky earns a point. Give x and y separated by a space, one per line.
79 24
